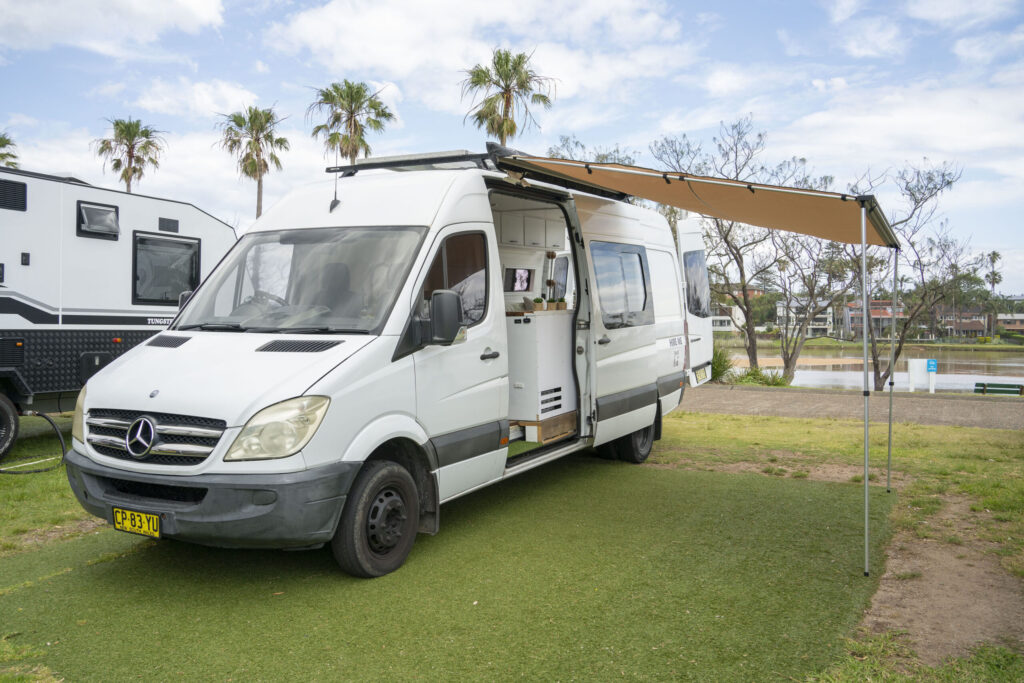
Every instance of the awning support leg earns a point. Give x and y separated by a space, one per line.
865 320
892 362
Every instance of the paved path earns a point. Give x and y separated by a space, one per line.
965 410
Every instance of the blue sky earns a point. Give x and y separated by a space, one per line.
851 85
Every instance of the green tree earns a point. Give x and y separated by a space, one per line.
507 87
351 109
8 157
251 136
992 276
131 149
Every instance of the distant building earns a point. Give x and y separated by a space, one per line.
1011 322
791 314
881 316
727 318
964 322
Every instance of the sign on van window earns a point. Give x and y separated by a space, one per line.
698 289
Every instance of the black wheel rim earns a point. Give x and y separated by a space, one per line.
385 523
644 440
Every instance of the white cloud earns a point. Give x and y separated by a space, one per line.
114 28
592 46
984 48
260 67
21 120
960 14
829 84
107 90
876 37
196 99
841 10
790 45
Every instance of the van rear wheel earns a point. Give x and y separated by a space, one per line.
379 522
637 446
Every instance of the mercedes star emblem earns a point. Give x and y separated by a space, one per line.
140 437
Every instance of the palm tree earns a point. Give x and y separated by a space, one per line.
131 149
250 135
993 277
351 109
508 87
8 157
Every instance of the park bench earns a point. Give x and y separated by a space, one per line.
1000 389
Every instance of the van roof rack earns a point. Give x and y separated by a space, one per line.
459 158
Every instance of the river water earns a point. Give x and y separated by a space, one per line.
958 370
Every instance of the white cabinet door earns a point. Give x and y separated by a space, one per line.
512 229
533 229
554 233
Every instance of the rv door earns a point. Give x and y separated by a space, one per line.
700 339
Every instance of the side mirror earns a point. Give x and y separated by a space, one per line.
445 317
184 297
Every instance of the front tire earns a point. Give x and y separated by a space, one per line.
8 426
379 522
637 446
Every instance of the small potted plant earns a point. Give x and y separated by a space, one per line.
538 303
561 303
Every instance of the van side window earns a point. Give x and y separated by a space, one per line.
461 266
665 285
698 290
623 284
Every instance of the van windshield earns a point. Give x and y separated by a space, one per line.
320 280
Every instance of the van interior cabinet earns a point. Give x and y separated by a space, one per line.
541 384
534 231
512 228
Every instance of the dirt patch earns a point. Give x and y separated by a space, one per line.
58 532
948 593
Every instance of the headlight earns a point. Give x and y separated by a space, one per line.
78 424
279 430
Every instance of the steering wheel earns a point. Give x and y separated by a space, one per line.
261 295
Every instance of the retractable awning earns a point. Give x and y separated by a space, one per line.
828 215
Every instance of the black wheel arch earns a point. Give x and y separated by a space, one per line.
418 462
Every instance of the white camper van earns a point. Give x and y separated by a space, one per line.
85 274
355 362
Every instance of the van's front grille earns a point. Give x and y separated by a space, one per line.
168 439
141 489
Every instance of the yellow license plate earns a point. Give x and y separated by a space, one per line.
137 522
701 374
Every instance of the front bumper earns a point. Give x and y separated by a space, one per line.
293 510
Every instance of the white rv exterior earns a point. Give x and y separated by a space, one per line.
350 366
85 274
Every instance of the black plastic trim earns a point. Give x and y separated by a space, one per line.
669 383
627 401
463 444
111 237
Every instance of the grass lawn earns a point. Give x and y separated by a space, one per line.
985 464
583 569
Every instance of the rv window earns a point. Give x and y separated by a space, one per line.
560 274
13 195
461 266
698 291
163 268
623 284
98 220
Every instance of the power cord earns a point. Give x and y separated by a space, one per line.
60 437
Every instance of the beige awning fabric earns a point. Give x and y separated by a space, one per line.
827 215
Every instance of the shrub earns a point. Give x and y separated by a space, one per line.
760 377
721 363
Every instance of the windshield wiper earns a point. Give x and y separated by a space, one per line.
309 330
219 327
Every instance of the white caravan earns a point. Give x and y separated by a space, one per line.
85 274
355 362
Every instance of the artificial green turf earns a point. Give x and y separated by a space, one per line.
584 569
